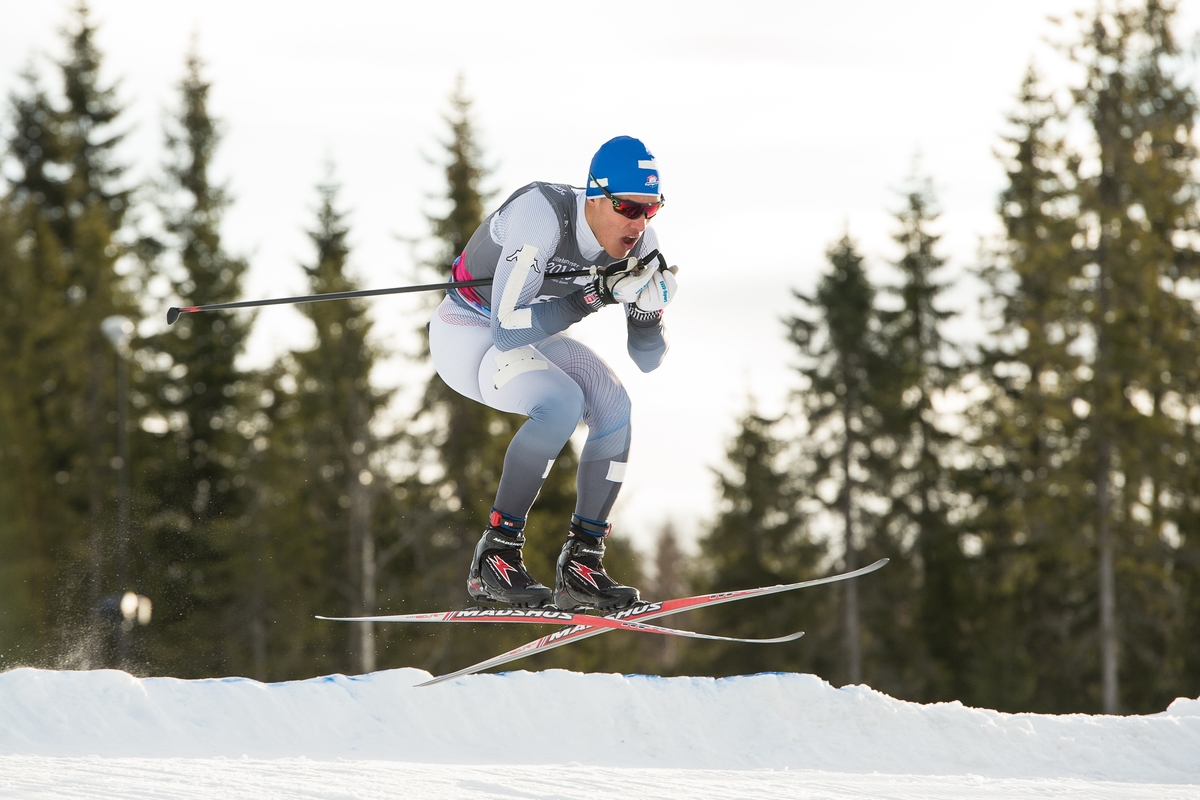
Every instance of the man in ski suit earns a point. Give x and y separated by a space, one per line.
503 345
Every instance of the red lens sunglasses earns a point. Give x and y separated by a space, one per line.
628 208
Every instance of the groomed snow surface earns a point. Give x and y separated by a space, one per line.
557 734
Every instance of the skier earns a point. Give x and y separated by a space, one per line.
503 345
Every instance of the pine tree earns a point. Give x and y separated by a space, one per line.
1137 212
26 566
1086 441
1027 432
1030 442
671 566
68 199
327 430
760 538
194 494
672 569
843 365
922 489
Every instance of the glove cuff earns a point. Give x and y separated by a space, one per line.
642 318
596 295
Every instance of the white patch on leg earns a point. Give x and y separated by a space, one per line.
511 363
616 471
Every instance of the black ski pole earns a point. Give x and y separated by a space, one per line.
174 311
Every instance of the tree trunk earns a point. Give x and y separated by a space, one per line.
366 630
258 591
362 540
95 476
1107 580
850 588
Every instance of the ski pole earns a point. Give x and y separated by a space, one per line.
174 311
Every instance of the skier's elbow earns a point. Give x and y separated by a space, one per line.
648 360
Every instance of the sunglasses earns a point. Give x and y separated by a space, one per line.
628 208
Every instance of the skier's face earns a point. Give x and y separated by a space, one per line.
615 233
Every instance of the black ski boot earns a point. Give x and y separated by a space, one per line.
580 580
498 572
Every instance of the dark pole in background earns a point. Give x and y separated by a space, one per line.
119 331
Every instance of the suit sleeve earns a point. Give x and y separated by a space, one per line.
646 335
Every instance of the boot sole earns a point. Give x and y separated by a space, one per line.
480 593
574 605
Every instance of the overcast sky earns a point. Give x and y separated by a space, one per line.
778 126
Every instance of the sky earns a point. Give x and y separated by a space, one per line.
778 127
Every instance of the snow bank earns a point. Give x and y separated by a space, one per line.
774 721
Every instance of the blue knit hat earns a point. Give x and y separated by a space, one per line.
623 166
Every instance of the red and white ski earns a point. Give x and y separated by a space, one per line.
584 626
554 616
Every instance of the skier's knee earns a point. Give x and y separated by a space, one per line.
559 414
611 416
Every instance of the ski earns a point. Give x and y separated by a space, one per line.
639 613
583 626
553 616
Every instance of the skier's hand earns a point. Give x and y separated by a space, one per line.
659 291
621 282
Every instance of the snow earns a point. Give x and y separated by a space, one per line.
560 734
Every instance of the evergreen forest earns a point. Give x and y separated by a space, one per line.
1038 493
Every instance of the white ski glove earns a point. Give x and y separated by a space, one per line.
660 290
621 282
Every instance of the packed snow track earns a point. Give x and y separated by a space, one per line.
556 734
